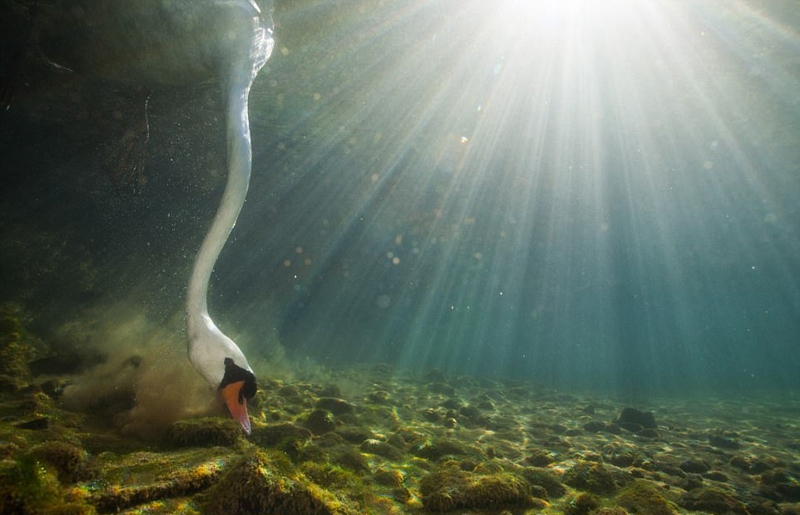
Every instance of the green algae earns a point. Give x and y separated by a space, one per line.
123 481
255 485
15 353
443 447
204 432
68 461
282 435
26 487
329 476
643 498
582 504
388 477
544 479
591 477
713 500
450 488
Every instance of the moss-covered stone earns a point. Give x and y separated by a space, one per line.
384 449
780 485
320 422
440 447
14 354
133 479
540 458
610 510
180 482
204 432
352 459
284 436
328 475
643 498
334 405
544 479
26 488
713 500
254 486
388 477
68 461
451 488
591 477
582 504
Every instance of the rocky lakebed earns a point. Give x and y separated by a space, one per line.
373 439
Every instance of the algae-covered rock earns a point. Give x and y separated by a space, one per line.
260 484
723 441
351 458
387 450
279 434
388 477
591 477
582 504
137 478
68 461
753 464
204 432
440 447
26 487
14 354
329 476
713 500
643 498
334 405
546 480
610 510
635 420
540 458
320 422
451 489
780 485
177 484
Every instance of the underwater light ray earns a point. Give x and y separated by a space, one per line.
395 143
499 118
732 143
511 93
434 101
366 119
559 160
764 34
642 225
731 178
443 89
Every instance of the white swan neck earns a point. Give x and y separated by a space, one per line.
239 165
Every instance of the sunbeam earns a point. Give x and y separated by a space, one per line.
549 188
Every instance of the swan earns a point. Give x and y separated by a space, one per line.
178 42
217 357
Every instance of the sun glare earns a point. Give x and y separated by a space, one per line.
539 177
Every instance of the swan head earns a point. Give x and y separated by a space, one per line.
223 365
238 384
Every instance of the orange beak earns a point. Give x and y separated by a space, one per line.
232 395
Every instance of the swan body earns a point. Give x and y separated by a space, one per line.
173 42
